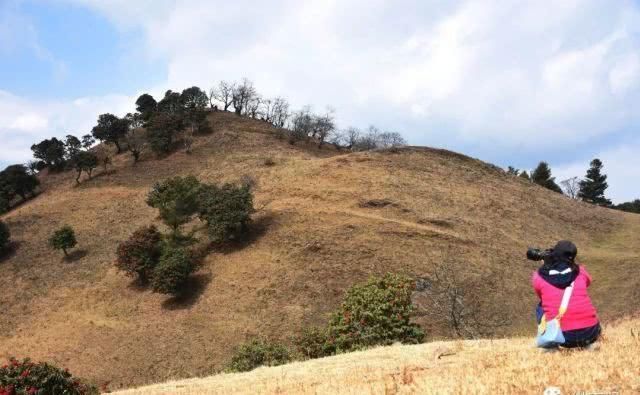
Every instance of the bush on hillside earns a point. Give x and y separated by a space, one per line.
4 204
26 377
5 236
258 352
375 313
172 271
63 239
139 255
162 131
313 343
177 200
226 210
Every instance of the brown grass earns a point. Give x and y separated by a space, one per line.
507 366
311 240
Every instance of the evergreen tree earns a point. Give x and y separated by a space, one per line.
542 176
594 184
525 175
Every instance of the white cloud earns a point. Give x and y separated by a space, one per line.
24 122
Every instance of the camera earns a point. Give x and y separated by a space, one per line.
537 254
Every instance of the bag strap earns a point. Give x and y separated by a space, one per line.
565 301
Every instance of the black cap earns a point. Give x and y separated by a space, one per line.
565 249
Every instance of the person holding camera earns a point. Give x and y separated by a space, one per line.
566 317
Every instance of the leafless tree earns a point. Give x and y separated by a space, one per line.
104 156
465 301
301 125
571 187
135 139
390 140
241 96
280 112
323 127
253 106
223 93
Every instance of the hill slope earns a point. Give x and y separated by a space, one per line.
328 220
507 366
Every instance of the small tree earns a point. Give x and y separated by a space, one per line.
84 161
110 129
571 187
594 184
146 105
525 175
5 236
63 239
16 180
258 352
542 176
176 199
226 210
375 313
138 256
88 141
512 171
172 271
72 145
162 130
223 93
135 139
50 151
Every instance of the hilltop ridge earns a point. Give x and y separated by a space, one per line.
327 219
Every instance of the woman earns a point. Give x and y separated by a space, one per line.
579 324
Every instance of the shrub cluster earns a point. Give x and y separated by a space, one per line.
29 378
5 236
138 256
377 312
173 270
258 352
226 210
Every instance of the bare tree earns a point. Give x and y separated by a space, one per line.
223 93
253 106
323 127
136 140
280 112
463 300
301 125
241 96
571 187
390 140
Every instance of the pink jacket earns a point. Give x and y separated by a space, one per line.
580 312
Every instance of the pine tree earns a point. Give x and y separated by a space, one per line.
594 184
542 176
525 175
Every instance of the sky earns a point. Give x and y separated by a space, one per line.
509 82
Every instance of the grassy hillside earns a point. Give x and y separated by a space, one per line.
507 366
327 220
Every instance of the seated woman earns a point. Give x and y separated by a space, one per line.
579 323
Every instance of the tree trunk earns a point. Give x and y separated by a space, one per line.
90 171
78 177
66 254
117 146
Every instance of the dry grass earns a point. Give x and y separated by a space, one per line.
508 366
312 240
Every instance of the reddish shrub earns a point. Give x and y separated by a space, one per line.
139 255
29 378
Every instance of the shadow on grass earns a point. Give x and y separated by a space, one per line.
191 292
9 251
75 255
88 181
257 228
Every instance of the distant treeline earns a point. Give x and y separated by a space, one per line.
589 189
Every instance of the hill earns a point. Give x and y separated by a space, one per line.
327 219
506 366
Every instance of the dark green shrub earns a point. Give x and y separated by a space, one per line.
177 200
162 131
16 180
139 255
313 343
28 378
4 204
5 236
172 271
258 352
375 313
226 210
63 239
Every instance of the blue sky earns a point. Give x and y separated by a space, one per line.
509 82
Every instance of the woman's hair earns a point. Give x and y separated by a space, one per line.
564 252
